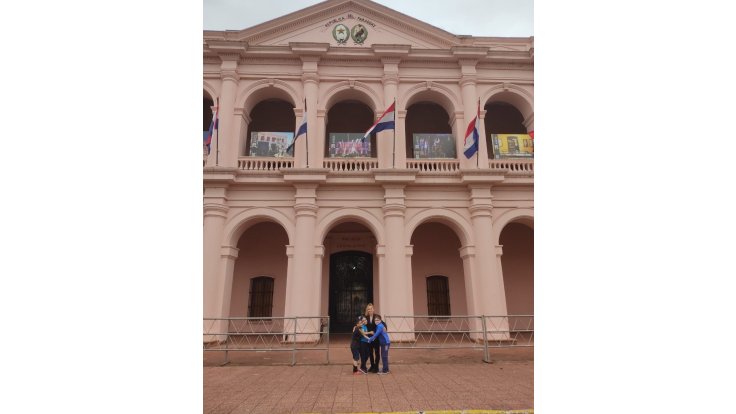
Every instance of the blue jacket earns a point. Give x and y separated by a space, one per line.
383 338
363 338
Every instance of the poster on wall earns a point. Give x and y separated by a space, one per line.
349 145
512 146
270 144
434 146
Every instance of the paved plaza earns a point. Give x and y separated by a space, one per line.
420 380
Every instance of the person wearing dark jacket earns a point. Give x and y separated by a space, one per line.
384 342
355 346
374 350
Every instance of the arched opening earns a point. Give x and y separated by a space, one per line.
349 279
347 121
207 115
436 254
517 263
259 276
271 129
506 135
428 132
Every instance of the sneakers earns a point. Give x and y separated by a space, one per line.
383 372
360 370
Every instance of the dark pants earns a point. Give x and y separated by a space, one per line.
384 355
375 354
364 349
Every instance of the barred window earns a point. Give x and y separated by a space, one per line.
261 297
438 296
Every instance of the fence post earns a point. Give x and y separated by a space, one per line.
227 360
293 355
328 340
486 357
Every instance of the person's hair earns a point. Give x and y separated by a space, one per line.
377 316
366 308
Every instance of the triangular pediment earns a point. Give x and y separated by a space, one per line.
348 23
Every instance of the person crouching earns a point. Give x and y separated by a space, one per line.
356 347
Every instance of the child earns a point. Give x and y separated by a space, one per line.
385 342
355 345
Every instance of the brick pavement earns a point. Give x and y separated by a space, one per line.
419 380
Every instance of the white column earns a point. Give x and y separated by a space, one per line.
470 109
310 84
242 120
303 282
387 147
400 138
397 296
227 131
215 215
321 138
488 276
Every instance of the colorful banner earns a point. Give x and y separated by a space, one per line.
343 145
512 146
434 146
270 144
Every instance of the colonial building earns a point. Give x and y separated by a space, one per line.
401 219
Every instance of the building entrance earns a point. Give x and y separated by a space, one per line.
351 288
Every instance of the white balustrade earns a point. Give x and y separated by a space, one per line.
438 166
519 166
264 163
350 164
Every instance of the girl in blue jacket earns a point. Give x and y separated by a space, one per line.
385 342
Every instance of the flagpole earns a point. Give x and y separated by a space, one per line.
306 134
394 148
217 134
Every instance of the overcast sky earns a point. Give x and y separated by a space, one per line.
505 18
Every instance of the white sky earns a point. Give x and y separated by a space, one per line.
504 18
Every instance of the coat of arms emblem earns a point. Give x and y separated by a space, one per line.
341 33
359 33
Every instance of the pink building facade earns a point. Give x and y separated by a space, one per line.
408 223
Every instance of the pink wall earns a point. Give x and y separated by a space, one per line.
262 252
518 268
436 253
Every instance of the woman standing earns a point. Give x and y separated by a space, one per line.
374 348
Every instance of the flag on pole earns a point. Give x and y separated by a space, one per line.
299 132
472 135
213 127
531 134
385 121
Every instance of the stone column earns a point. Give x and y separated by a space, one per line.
488 279
310 82
472 293
321 138
215 215
242 120
228 139
387 146
470 106
303 282
397 296
379 294
400 138
458 131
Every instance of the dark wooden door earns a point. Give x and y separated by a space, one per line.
351 288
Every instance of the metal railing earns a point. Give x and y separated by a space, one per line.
278 334
454 332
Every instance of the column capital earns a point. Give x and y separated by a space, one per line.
467 252
243 114
499 250
229 75
215 210
306 209
394 210
390 79
229 252
480 210
319 251
289 251
310 77
409 250
381 250
468 80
